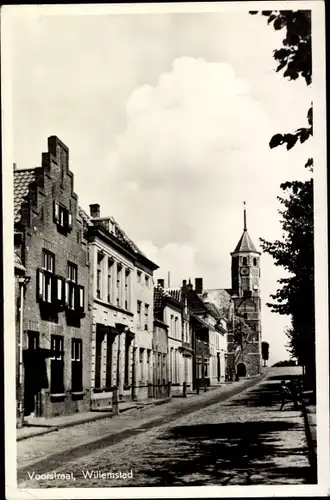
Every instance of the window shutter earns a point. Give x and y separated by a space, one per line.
74 296
59 289
56 212
66 293
81 297
40 284
69 221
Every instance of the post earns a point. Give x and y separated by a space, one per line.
197 386
184 389
115 401
149 390
169 389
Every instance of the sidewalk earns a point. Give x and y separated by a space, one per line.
309 413
38 426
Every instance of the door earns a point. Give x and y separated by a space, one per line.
32 392
218 366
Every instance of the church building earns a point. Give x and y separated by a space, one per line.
245 294
242 308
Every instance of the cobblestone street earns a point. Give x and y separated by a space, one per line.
242 440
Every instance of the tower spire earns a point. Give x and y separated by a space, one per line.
245 228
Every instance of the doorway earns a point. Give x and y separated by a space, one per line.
241 370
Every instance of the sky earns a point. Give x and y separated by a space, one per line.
168 119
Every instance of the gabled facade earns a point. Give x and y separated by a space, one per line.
49 241
170 309
121 286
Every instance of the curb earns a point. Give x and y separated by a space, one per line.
312 456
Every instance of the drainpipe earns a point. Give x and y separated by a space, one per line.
22 282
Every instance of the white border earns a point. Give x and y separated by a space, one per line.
321 244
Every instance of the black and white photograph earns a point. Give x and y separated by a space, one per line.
165 250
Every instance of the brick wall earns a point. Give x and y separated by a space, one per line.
55 183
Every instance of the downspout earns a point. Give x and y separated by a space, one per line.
22 284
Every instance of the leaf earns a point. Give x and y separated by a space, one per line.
281 66
290 140
271 18
279 23
309 163
276 140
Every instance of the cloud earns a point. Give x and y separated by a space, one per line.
188 154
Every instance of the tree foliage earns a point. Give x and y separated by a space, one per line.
295 57
295 252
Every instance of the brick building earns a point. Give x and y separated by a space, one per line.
49 241
121 287
245 294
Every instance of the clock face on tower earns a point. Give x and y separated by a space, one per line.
244 271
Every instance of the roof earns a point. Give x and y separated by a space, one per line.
22 181
176 294
213 309
162 295
18 263
119 233
245 244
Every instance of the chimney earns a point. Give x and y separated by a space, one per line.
161 282
94 210
184 283
199 285
15 166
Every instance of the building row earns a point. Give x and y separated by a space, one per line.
90 317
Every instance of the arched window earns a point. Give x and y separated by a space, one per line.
254 261
244 261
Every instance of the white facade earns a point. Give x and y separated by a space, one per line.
143 290
121 291
173 318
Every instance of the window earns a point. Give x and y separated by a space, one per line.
57 365
62 217
176 331
172 325
139 274
127 290
139 313
110 264
72 272
99 275
119 271
76 365
141 360
147 280
32 341
146 316
46 277
244 261
108 375
71 286
254 261
148 364
127 359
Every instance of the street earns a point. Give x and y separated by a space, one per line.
202 440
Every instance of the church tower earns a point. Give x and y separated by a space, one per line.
245 292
